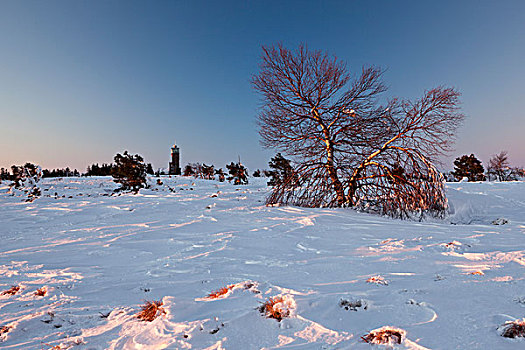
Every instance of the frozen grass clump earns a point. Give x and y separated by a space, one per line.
513 329
41 292
151 310
353 305
11 291
278 307
225 291
220 293
385 336
3 332
377 280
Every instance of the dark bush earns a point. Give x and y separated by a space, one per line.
129 171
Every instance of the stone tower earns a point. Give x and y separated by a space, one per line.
174 168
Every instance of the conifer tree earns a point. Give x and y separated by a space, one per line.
129 171
188 170
281 171
238 173
4 174
470 167
25 179
208 172
221 174
149 169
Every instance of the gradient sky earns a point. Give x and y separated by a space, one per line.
82 80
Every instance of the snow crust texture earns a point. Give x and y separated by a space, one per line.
77 264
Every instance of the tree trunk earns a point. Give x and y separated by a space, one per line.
332 171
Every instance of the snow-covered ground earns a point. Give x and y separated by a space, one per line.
449 284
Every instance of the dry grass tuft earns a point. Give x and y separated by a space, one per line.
220 292
513 329
51 347
151 310
11 291
385 336
224 291
377 280
4 330
41 292
276 308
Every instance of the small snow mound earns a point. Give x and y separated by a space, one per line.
386 335
306 221
520 300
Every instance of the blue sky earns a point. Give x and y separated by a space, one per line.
82 80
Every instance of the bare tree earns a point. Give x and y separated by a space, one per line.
348 149
499 168
498 165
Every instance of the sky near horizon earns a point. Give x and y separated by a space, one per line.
83 80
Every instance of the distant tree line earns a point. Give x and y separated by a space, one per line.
13 175
99 170
237 172
130 171
66 172
106 169
471 168
92 170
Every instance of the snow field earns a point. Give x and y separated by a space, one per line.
448 284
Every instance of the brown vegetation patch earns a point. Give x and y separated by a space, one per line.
11 291
41 292
477 273
56 347
151 310
377 280
273 308
385 336
513 329
452 244
4 330
220 292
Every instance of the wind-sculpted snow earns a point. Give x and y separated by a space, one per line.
213 254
